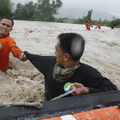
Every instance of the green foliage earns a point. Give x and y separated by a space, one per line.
44 10
48 8
84 19
88 17
25 12
80 21
115 22
6 8
65 20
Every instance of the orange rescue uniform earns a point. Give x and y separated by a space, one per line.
7 45
99 26
88 25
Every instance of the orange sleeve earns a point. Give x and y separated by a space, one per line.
99 25
16 51
86 24
90 24
8 45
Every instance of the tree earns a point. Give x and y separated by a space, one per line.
48 8
6 7
88 17
115 22
43 10
25 12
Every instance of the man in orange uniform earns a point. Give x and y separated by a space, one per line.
88 25
8 44
99 26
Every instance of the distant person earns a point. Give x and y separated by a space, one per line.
8 44
65 67
112 26
98 26
88 25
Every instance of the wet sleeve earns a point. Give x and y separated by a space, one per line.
97 83
16 51
103 88
43 63
90 24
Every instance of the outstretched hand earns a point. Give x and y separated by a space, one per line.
22 57
80 89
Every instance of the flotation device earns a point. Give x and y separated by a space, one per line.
107 113
102 106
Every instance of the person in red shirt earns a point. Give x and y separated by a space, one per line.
98 26
88 25
8 44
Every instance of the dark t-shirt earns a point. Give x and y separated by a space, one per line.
86 75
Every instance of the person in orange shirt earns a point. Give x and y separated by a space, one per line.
88 25
98 26
8 44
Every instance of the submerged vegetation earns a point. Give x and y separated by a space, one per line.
45 10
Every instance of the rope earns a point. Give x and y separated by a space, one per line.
65 94
38 105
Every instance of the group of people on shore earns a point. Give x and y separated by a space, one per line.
64 67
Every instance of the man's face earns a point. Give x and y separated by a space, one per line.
60 55
5 27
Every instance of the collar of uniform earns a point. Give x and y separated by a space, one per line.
4 36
